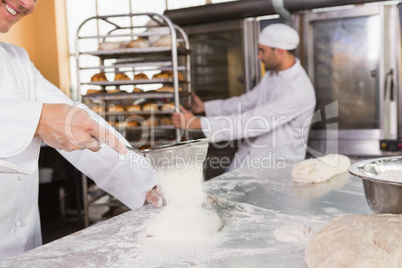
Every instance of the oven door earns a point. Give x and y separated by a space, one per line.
350 55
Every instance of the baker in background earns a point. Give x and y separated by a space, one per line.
33 110
273 118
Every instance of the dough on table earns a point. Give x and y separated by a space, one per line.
320 169
369 241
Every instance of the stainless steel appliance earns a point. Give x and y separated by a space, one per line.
223 57
353 58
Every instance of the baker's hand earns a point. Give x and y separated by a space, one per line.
71 128
185 120
197 105
154 197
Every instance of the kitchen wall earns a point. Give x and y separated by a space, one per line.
44 36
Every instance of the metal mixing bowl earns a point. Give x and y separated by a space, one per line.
383 196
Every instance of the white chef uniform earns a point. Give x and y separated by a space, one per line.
23 90
273 118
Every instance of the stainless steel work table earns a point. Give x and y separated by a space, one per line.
267 223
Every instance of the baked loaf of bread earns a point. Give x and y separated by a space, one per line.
133 108
137 90
94 91
150 107
121 76
138 43
115 108
109 46
100 77
98 109
164 41
162 75
152 121
132 123
168 107
167 75
141 76
165 121
167 89
113 90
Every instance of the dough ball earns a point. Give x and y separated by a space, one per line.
369 241
320 169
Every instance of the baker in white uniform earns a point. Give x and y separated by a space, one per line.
33 110
273 118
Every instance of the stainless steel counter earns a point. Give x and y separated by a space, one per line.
267 223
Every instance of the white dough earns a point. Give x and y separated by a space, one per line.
186 215
320 169
369 241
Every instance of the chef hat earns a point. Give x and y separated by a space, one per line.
279 35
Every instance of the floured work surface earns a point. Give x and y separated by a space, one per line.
267 222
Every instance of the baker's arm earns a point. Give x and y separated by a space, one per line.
126 177
257 121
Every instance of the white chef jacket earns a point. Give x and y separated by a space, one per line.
273 119
23 90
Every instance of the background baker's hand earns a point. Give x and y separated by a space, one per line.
154 197
185 120
197 105
70 128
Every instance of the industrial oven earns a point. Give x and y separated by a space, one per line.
352 55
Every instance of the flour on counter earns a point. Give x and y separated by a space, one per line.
390 175
293 234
